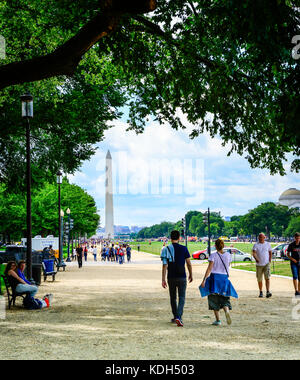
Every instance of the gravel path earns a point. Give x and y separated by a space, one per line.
111 311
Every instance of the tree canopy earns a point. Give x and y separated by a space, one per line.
45 211
227 65
270 218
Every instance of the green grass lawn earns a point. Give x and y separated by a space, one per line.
156 246
277 267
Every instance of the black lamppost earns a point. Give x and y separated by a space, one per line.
59 182
27 114
184 230
68 231
61 257
206 220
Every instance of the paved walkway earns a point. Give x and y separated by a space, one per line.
110 311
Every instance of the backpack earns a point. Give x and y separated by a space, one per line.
31 303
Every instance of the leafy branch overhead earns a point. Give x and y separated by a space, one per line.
227 65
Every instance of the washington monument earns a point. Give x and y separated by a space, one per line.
109 204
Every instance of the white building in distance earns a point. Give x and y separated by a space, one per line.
290 198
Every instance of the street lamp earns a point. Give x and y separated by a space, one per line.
61 258
59 182
69 227
27 114
206 220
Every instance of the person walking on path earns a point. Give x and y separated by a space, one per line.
117 251
121 255
174 258
79 252
74 254
94 249
128 253
85 253
293 253
216 284
262 253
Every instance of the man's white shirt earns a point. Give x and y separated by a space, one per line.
262 253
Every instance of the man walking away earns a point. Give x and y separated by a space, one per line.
128 252
85 253
79 251
95 252
174 258
262 253
293 253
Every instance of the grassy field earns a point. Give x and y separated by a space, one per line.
155 247
278 267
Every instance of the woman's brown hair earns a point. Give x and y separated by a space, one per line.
8 267
220 245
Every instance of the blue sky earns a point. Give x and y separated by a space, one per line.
162 174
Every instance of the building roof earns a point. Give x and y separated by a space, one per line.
108 156
290 194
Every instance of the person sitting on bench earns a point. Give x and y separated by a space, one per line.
19 282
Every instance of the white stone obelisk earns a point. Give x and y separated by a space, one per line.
109 204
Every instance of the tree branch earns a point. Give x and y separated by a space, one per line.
65 59
156 30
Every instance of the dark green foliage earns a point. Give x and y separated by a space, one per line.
45 211
226 64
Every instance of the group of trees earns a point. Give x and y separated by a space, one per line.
226 64
270 218
45 211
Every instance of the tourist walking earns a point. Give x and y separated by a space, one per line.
111 254
128 253
117 254
121 256
103 254
94 249
293 253
174 258
262 253
216 284
85 253
79 252
74 254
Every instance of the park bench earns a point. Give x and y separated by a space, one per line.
58 265
48 271
11 293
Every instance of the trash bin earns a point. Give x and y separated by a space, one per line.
49 265
37 273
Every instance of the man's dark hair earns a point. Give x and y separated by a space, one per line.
175 235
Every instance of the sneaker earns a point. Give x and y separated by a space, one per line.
216 323
228 318
297 294
261 295
173 320
179 322
269 294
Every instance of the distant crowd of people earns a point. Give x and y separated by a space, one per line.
108 252
116 253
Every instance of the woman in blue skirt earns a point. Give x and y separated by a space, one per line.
216 284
